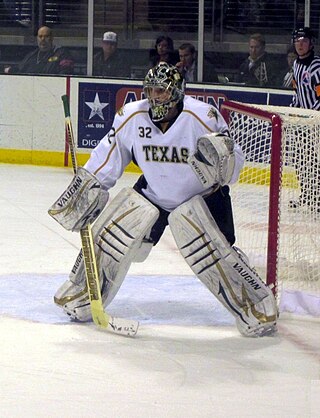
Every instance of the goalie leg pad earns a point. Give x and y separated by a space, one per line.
222 269
118 235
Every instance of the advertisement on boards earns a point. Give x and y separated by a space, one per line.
98 103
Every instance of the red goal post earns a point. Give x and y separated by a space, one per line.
275 176
281 146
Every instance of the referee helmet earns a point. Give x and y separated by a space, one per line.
300 33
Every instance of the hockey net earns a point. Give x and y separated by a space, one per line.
276 202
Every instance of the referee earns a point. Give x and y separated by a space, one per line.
306 84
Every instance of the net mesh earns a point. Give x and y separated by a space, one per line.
298 212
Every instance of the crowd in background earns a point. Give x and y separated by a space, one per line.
259 68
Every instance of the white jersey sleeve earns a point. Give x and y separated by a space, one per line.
114 152
161 156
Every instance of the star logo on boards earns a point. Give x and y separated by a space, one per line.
96 107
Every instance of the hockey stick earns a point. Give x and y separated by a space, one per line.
101 318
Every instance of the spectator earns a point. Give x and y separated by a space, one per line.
257 69
286 81
306 84
46 59
188 65
163 52
109 62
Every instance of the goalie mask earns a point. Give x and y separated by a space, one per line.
164 88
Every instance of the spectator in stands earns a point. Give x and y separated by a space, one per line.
46 59
286 81
257 69
163 52
188 65
109 62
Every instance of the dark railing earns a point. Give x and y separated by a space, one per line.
133 16
227 25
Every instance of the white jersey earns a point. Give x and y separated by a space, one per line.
162 157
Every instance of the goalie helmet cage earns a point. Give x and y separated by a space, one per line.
277 200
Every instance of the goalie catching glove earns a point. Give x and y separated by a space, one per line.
81 203
214 160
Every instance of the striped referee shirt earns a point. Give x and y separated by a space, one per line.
306 82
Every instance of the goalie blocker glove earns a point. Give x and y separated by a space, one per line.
81 203
214 160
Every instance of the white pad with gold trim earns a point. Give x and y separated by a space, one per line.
118 236
81 203
222 269
214 160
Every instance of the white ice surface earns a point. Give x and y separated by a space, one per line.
188 359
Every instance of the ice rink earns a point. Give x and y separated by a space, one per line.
188 359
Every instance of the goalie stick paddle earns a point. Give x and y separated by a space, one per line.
101 318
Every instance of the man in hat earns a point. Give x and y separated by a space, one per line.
108 62
306 84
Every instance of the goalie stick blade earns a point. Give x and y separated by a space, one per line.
120 326
104 321
123 326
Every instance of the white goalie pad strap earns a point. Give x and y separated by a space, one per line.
222 269
81 203
214 160
117 234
